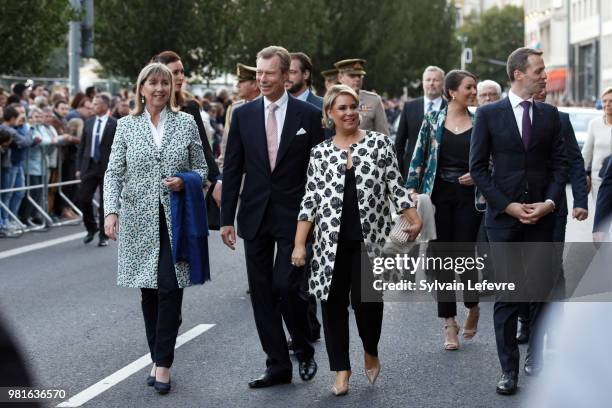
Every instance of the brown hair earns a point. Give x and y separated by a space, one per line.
154 69
282 53
519 59
305 64
168 57
452 81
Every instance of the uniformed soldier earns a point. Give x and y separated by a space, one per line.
371 109
247 91
331 78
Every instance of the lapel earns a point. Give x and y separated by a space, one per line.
290 128
420 111
510 121
169 129
145 132
260 139
536 122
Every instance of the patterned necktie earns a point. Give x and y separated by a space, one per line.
272 135
526 123
429 106
97 155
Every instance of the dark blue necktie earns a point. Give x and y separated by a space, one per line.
526 123
97 154
429 106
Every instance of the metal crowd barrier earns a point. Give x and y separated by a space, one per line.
41 207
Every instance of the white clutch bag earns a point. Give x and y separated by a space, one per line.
398 235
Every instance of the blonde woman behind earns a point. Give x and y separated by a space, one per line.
598 145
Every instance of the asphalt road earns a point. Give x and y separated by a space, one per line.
75 327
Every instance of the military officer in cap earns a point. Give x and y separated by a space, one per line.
247 91
331 78
371 110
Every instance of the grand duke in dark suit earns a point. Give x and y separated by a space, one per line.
274 179
522 140
92 159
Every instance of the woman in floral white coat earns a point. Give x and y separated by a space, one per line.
351 180
150 147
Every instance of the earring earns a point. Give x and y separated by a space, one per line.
142 99
454 97
330 123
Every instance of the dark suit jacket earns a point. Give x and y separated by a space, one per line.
577 175
193 109
315 100
247 154
519 175
410 123
84 149
603 209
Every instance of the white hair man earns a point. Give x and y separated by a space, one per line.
488 91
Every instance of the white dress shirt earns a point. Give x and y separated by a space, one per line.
437 103
104 119
515 102
157 132
280 113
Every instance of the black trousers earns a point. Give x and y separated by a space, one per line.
347 287
161 307
277 295
90 181
517 267
457 222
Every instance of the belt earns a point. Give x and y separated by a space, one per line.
451 174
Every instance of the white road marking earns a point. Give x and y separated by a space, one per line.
118 376
41 245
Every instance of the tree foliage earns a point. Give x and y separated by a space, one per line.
493 36
397 38
29 31
128 33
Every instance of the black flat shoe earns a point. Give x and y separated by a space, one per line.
151 380
267 380
103 242
162 387
508 383
308 369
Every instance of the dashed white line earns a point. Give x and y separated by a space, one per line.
120 375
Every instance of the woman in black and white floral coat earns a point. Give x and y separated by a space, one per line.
351 180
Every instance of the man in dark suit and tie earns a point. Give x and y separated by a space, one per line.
269 142
92 160
412 115
523 141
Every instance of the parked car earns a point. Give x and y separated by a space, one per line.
580 118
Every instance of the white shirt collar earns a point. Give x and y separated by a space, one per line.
304 95
102 117
280 103
162 115
435 101
515 100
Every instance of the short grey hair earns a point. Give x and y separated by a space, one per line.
434 68
488 82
